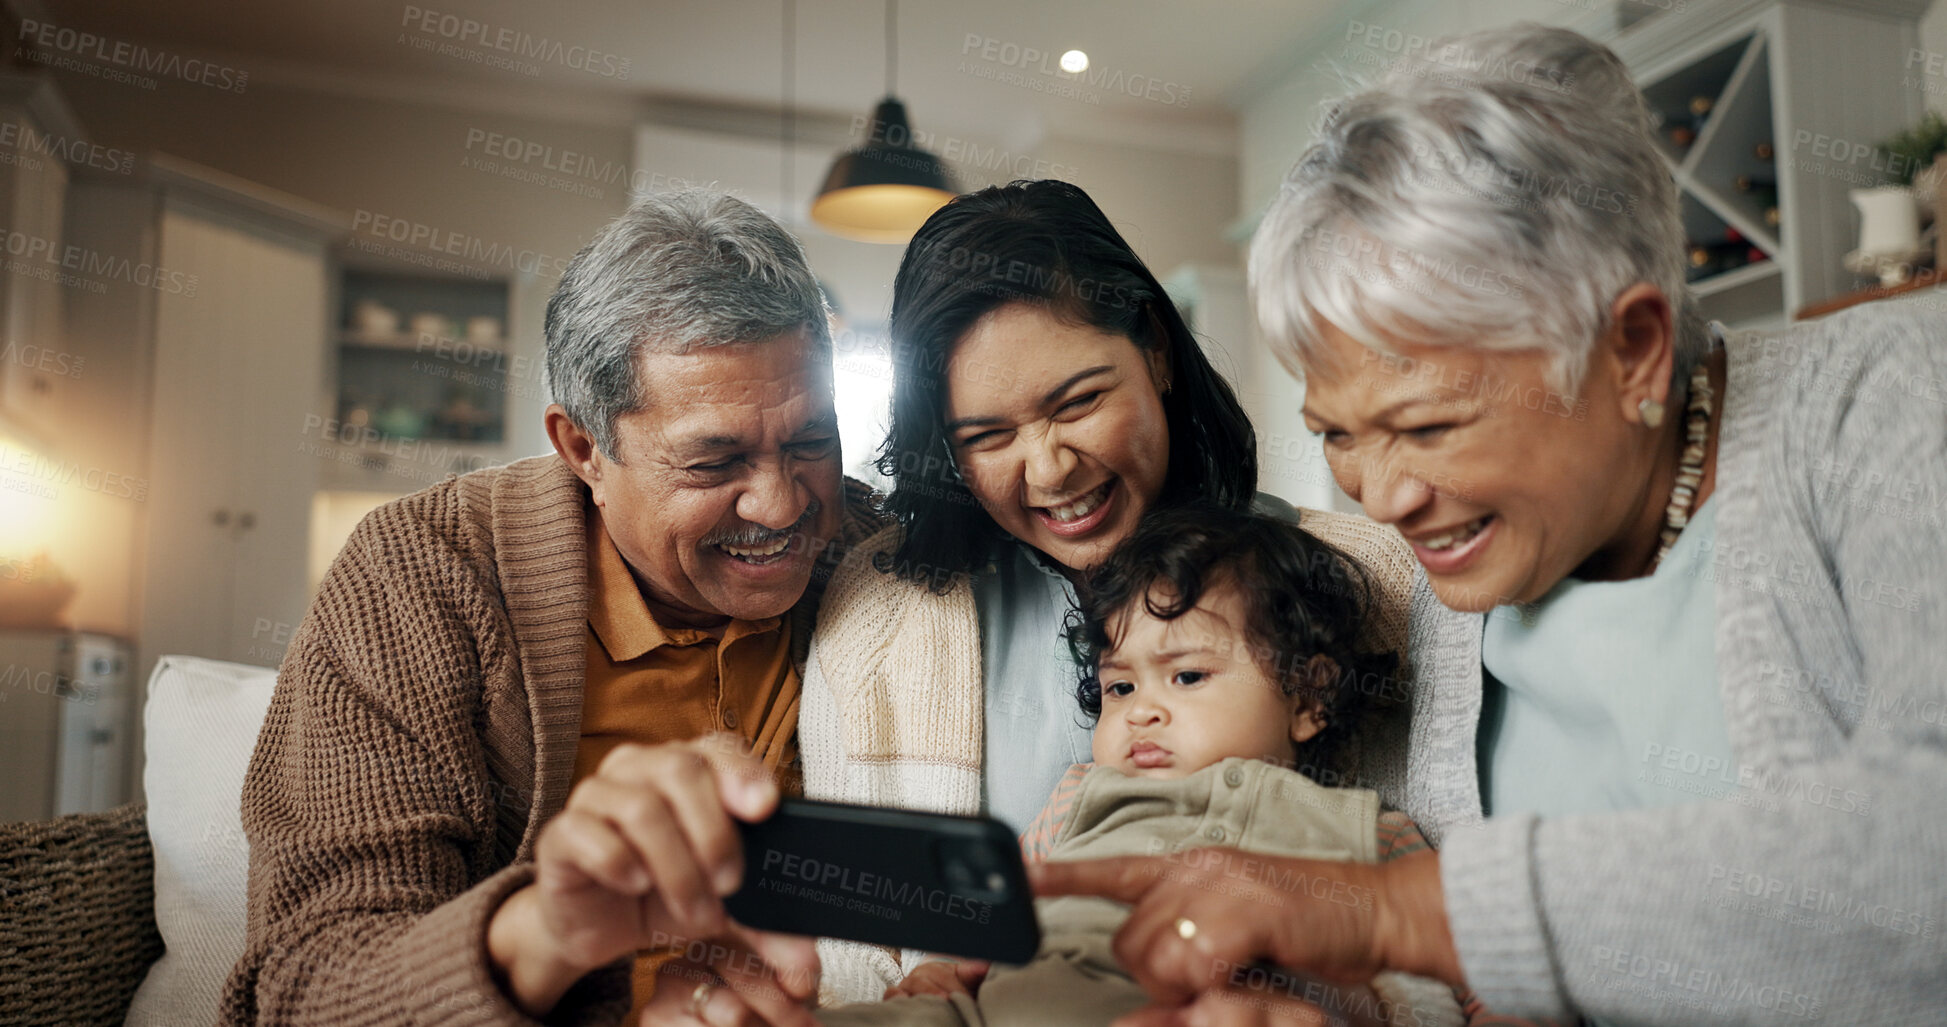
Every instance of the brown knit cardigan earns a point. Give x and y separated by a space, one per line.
422 732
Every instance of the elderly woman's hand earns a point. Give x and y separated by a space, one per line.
1201 918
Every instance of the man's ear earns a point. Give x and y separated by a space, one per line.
1639 349
577 448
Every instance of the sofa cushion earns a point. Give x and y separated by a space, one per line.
201 721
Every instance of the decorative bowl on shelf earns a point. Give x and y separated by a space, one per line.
400 421
482 330
374 319
424 323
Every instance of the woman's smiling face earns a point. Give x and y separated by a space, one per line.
1058 430
1502 484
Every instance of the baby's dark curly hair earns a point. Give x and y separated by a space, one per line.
1306 603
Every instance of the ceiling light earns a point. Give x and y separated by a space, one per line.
1074 62
884 190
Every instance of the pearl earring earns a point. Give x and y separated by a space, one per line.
1652 412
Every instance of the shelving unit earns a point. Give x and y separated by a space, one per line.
1720 219
1797 77
422 373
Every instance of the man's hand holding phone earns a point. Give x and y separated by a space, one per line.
640 857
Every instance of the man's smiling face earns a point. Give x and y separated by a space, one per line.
730 481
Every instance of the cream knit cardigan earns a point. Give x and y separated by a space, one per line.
893 708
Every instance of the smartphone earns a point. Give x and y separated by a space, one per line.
948 884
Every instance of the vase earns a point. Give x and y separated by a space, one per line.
1888 220
1889 234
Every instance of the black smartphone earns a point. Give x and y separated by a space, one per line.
947 884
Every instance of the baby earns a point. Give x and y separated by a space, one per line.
1221 671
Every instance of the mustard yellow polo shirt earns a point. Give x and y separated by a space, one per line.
647 683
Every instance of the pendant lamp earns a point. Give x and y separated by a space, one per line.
883 191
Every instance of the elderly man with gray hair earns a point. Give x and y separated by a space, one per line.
499 772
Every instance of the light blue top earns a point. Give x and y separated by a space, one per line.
1035 729
1830 567
1596 685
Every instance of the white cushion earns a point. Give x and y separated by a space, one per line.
202 721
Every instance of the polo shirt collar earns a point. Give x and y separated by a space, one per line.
620 616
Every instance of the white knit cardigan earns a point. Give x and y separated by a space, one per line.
893 707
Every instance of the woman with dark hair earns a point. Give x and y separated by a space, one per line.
1046 395
1038 255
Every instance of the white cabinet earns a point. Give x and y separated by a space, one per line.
226 350
239 358
1797 94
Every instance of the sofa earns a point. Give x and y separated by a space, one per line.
136 915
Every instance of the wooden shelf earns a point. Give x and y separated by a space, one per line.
422 341
1736 278
1936 278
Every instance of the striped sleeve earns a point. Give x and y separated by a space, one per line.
1039 839
1399 836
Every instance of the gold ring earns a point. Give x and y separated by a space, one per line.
1186 928
700 998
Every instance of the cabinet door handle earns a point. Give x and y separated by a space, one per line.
220 518
246 520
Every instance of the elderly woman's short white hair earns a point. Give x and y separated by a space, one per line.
1495 190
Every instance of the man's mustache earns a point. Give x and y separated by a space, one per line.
753 536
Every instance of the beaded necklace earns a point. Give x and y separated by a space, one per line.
1690 471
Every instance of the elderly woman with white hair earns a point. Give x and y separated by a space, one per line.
1679 726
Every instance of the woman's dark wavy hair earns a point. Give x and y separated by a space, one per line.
1304 599
1041 242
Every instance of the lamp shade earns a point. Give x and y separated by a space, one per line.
882 191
